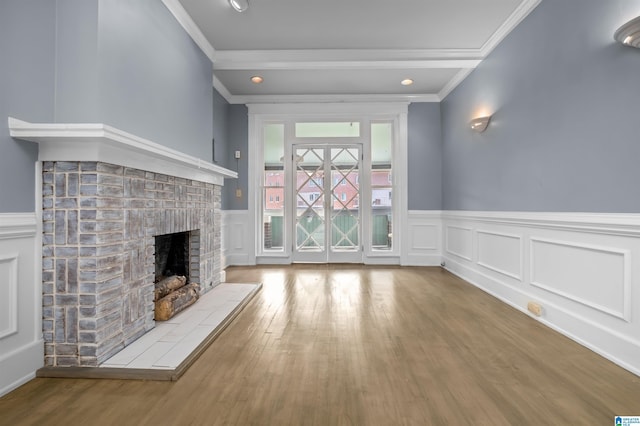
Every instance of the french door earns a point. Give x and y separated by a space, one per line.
327 220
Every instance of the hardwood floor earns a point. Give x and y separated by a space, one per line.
345 345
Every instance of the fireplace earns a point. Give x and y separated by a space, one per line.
102 225
106 195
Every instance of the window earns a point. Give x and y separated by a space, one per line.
328 130
273 192
343 197
381 185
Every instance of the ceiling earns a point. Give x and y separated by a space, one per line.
346 50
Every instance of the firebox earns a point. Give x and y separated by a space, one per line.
172 255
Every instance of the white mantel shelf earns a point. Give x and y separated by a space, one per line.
103 143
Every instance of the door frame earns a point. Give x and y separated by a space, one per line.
366 113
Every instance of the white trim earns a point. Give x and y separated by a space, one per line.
22 349
284 111
236 238
10 294
572 307
304 99
625 224
19 366
453 252
341 59
224 92
564 321
522 11
520 273
185 20
17 225
453 83
626 256
345 58
100 142
422 249
364 112
337 59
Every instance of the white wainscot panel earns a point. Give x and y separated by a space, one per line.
459 241
424 237
21 345
237 236
9 291
501 253
598 277
236 245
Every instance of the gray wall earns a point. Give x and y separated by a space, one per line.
220 128
425 157
564 134
238 140
130 64
425 154
27 34
125 63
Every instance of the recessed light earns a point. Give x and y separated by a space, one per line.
406 82
256 79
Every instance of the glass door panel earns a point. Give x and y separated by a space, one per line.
327 206
310 196
345 206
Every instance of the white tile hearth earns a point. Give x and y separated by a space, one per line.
171 342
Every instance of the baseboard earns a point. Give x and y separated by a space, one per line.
20 366
422 260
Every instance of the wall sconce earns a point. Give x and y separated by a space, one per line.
480 124
239 5
629 33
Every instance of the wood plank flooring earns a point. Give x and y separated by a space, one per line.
355 345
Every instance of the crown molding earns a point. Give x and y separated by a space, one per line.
183 18
521 12
222 89
454 82
337 98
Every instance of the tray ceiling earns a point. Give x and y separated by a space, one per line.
337 50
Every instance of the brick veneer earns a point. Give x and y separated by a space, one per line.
99 224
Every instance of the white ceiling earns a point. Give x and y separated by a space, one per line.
346 50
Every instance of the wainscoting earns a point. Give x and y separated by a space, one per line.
423 239
236 238
582 269
21 345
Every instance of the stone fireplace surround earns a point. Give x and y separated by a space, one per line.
106 194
